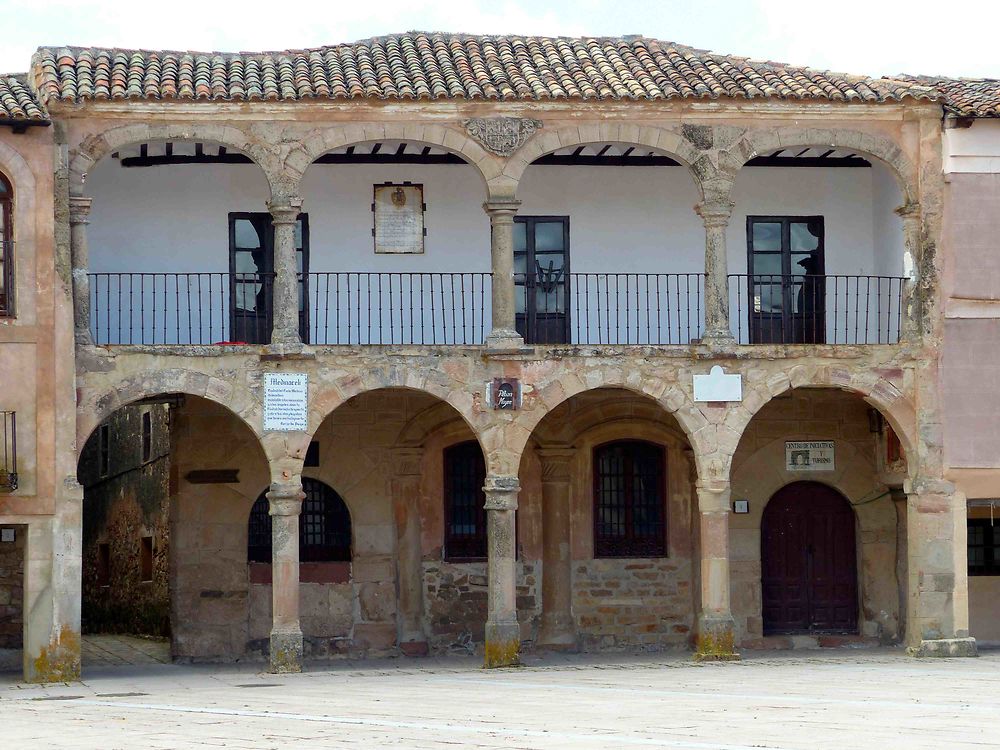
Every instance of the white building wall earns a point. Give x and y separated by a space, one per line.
637 220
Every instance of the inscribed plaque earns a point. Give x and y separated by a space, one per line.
286 402
810 455
399 219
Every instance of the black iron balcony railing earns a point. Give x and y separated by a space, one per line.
805 309
384 308
8 451
610 308
180 308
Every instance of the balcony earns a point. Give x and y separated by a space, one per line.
404 308
8 451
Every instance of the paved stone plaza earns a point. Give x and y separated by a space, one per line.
843 699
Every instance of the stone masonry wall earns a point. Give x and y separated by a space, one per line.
12 597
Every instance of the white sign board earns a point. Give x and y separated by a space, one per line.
286 401
717 386
810 455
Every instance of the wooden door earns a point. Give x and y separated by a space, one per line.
808 562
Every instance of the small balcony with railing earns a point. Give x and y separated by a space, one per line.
600 251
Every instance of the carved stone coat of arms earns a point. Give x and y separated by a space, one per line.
502 135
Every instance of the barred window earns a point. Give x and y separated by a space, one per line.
324 526
464 501
630 500
984 547
6 248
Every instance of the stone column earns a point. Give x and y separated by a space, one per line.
503 634
910 326
285 499
504 335
937 616
715 214
406 505
285 290
716 627
557 569
79 218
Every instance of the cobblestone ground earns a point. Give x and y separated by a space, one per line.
843 700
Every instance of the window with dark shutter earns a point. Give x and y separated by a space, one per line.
630 509
464 514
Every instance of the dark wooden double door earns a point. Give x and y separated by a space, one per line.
808 562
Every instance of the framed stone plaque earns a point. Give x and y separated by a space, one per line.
399 219
286 401
810 455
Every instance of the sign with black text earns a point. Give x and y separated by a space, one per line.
809 455
286 402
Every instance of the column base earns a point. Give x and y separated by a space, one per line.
718 342
503 644
287 350
286 651
506 341
557 633
59 661
944 647
716 639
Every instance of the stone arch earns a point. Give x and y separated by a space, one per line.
696 428
101 404
670 142
326 139
333 395
430 420
17 170
98 146
760 142
874 388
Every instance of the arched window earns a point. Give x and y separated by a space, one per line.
630 500
6 248
324 527
464 514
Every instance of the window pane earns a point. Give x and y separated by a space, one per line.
767 264
298 236
767 297
520 237
548 236
766 236
246 234
804 236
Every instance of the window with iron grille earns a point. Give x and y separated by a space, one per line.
324 527
984 547
464 501
630 508
8 451
6 249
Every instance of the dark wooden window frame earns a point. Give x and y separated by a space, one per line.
268 271
990 546
465 548
7 248
786 269
632 546
530 322
323 511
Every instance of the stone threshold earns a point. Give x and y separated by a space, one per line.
808 641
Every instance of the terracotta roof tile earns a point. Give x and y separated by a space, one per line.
965 97
18 101
421 65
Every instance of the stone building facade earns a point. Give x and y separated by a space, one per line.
615 505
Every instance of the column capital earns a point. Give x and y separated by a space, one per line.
285 210
713 495
556 462
285 498
501 492
908 210
500 208
715 213
79 209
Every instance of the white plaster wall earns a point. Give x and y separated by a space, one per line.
973 149
622 220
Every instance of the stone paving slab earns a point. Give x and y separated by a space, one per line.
790 701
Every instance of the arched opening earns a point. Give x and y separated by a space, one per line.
168 484
401 246
809 578
607 247
816 250
802 455
607 504
157 279
6 247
